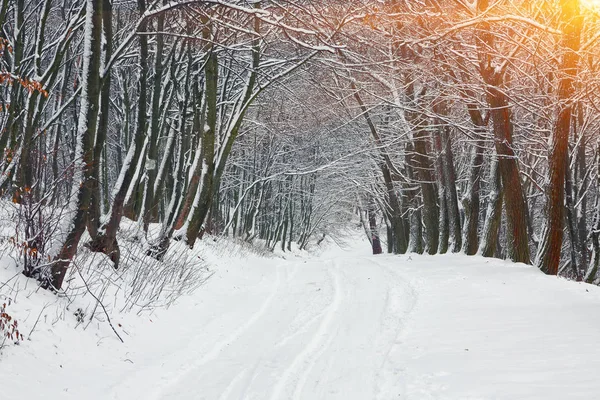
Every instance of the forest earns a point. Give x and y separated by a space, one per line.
464 126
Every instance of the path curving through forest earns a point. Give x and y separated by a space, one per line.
348 325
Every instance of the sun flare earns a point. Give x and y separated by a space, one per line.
591 4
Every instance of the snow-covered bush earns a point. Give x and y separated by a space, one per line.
93 290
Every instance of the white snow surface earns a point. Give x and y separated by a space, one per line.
343 324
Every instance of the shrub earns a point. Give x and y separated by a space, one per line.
9 327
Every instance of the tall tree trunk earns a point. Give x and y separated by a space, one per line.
514 200
580 188
204 194
444 223
415 244
213 163
593 271
152 198
198 124
13 123
471 198
88 116
451 192
571 221
548 257
99 147
502 126
450 224
424 173
106 240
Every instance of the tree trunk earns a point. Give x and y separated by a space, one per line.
451 192
106 241
424 173
549 253
398 237
500 113
444 223
571 221
415 226
375 240
514 201
88 116
593 271
95 199
471 198
581 180
204 194
198 123
491 228
152 198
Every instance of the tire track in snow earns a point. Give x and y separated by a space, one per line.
306 326
234 382
311 352
216 350
300 331
401 317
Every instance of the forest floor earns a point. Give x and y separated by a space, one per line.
339 325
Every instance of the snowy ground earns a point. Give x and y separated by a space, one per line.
343 325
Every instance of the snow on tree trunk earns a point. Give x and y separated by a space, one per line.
88 114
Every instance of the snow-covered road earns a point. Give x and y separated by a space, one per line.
306 329
352 326
346 325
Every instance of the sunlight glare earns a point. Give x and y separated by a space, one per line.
591 4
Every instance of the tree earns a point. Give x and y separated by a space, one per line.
86 130
552 238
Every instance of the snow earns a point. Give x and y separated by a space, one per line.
342 324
